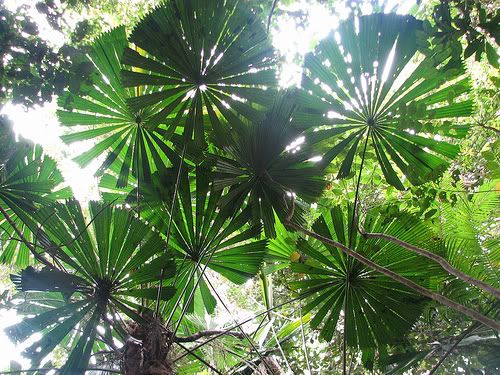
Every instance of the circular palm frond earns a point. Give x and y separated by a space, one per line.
29 179
103 116
265 162
209 59
109 257
201 234
376 310
367 83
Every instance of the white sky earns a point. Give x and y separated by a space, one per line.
40 124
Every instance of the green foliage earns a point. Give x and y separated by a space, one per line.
184 116
31 69
117 130
29 180
264 163
201 234
383 97
472 19
104 261
376 310
221 73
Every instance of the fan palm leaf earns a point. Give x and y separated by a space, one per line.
104 117
29 179
218 63
201 234
469 244
104 263
265 162
377 310
367 83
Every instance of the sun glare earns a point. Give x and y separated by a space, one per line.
303 24
10 352
40 125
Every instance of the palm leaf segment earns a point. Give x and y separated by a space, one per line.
106 261
469 248
104 117
208 58
28 179
366 82
200 229
377 310
266 161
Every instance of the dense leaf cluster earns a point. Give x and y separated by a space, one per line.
209 172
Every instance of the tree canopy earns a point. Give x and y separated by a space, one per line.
346 225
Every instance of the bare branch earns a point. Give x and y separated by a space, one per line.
436 258
265 312
191 351
463 335
269 18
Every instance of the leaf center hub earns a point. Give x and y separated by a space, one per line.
370 121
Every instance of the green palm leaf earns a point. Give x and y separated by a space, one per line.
199 229
104 262
468 245
366 82
218 62
377 310
264 163
104 117
28 179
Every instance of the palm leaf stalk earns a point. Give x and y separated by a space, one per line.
302 333
356 194
351 231
436 258
200 277
208 333
245 335
394 276
344 333
169 227
191 352
231 328
267 296
274 343
280 348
